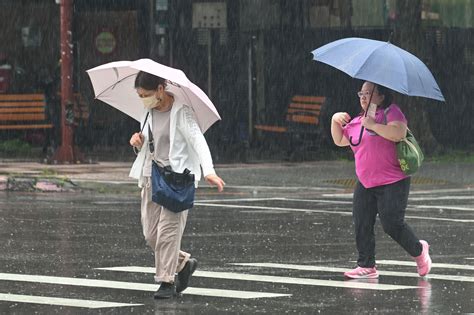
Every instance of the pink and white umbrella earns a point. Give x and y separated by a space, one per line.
113 84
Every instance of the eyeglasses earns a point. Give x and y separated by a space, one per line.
360 94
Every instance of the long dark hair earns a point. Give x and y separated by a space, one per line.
148 81
387 100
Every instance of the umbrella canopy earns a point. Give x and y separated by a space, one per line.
113 84
381 63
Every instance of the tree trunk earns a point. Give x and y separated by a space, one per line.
409 35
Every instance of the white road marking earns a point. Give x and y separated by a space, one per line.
350 196
445 208
439 219
220 205
319 201
121 202
274 279
348 213
343 195
281 187
60 301
433 265
441 198
440 191
240 199
276 199
134 286
342 270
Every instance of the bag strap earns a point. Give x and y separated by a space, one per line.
151 143
385 115
144 123
385 121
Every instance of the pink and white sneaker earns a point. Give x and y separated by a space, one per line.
362 273
423 262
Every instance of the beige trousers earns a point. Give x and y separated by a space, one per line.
163 230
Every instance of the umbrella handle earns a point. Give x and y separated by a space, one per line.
365 115
360 138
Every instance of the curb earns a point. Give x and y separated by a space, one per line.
38 184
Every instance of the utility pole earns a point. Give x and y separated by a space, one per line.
66 153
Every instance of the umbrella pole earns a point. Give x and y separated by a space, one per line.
365 115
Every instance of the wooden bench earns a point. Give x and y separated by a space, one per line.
23 111
28 111
301 129
302 115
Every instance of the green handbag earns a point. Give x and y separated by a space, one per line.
409 154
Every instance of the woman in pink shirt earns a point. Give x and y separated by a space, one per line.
382 187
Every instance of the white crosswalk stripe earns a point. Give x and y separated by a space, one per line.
341 270
274 279
134 286
434 265
34 299
326 203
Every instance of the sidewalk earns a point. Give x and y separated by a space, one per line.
302 174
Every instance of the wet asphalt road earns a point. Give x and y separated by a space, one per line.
290 244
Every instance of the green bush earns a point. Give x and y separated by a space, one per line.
15 146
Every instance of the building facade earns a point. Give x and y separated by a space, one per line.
250 56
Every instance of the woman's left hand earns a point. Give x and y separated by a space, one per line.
215 180
368 122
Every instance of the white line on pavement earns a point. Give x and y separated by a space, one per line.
118 202
342 195
439 219
274 279
134 286
281 187
444 208
440 191
441 198
220 205
239 199
434 265
320 201
269 208
350 196
276 199
341 270
60 301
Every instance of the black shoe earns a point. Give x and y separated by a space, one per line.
184 275
166 291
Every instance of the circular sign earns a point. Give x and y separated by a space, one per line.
105 42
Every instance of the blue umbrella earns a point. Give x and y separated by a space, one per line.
381 63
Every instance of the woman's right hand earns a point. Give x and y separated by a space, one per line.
341 118
137 140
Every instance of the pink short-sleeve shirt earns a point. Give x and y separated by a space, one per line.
376 160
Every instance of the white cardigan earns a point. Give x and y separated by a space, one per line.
188 147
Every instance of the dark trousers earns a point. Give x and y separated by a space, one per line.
389 202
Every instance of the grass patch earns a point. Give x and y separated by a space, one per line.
15 146
455 156
48 172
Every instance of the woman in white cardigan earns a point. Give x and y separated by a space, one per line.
179 143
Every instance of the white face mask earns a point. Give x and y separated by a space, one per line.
150 102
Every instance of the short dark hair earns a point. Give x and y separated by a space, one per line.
148 81
387 100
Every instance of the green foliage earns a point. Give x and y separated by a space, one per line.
49 172
15 146
455 156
